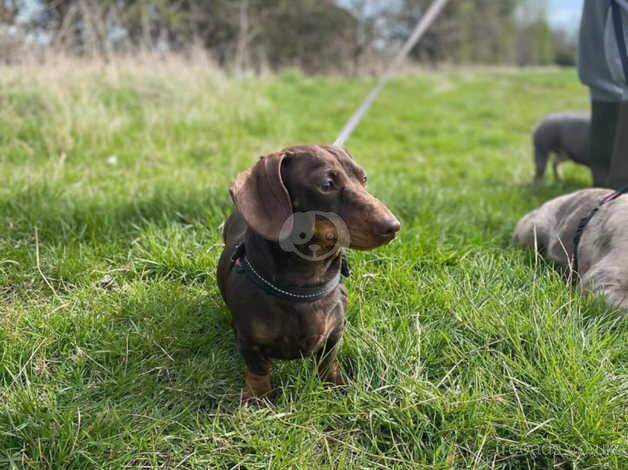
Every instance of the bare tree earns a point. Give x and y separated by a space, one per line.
315 35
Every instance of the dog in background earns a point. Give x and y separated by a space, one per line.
280 270
602 252
563 135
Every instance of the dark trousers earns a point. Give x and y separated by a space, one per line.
618 174
604 119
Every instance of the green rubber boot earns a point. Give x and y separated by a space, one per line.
604 117
618 177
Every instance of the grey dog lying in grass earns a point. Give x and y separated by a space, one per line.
564 135
603 248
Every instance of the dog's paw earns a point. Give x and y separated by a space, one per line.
256 388
250 399
333 377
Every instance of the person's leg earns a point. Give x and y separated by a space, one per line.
594 72
616 45
593 65
618 176
604 119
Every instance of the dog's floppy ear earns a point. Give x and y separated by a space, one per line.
337 151
260 195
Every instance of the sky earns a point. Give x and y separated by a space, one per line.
565 14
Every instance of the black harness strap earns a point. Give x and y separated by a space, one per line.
618 24
291 294
587 218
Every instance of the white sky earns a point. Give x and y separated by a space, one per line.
565 14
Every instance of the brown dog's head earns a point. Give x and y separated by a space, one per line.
317 185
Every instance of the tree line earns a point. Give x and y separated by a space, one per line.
350 36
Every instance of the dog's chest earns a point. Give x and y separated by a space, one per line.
317 330
299 332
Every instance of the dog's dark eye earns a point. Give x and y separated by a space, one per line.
327 185
364 180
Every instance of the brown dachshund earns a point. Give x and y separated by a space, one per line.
280 271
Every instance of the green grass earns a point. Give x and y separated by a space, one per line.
461 351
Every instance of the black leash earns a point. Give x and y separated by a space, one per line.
291 294
587 218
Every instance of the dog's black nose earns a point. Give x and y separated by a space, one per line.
387 227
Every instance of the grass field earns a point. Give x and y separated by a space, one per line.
461 351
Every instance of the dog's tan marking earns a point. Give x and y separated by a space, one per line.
261 333
332 374
325 233
256 386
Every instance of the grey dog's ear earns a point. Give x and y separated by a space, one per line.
262 198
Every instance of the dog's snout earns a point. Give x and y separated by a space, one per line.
395 226
387 226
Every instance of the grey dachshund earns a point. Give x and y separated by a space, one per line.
564 135
602 251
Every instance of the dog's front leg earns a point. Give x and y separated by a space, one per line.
328 365
256 376
557 161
